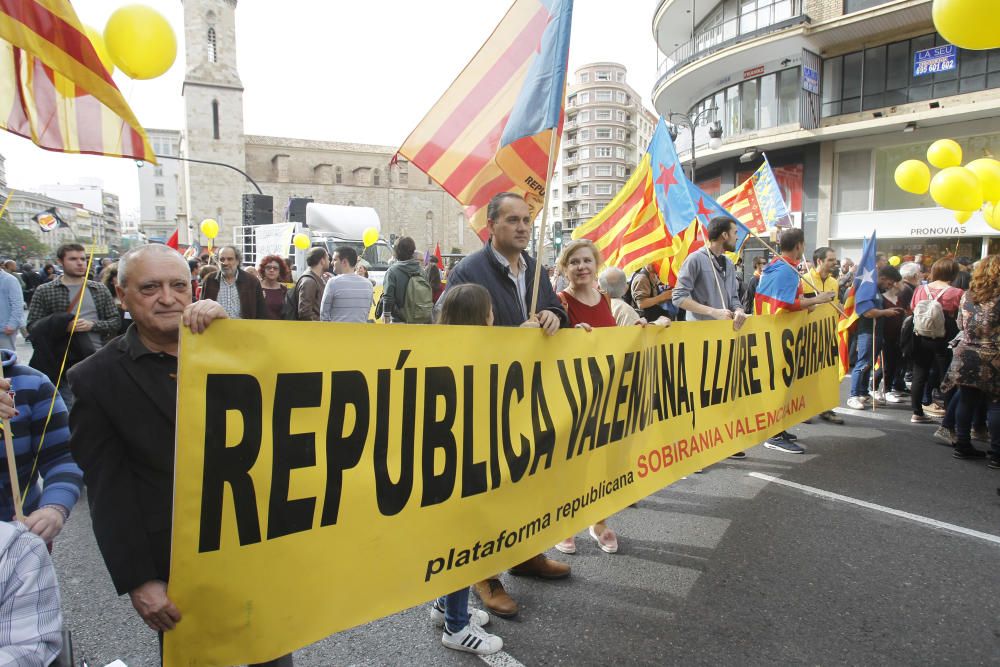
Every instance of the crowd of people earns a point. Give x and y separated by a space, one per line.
110 341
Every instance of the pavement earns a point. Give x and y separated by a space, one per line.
722 568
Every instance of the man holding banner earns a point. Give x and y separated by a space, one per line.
123 425
507 272
706 286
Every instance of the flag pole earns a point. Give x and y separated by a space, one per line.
8 443
540 245
874 388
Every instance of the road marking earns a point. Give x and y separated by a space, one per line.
881 508
868 414
501 659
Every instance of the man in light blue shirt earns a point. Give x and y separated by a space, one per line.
11 309
348 296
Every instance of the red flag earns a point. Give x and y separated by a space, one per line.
437 254
172 242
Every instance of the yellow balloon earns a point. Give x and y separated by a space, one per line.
140 41
370 237
913 176
969 24
301 241
991 214
945 153
957 188
962 217
988 171
210 228
894 260
101 48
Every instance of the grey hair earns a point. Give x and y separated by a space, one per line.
493 208
154 248
612 280
236 251
909 270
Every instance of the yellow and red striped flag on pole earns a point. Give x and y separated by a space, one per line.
492 129
54 89
742 202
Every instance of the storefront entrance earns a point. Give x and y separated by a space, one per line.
934 249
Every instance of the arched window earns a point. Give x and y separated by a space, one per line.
213 54
338 177
376 177
215 119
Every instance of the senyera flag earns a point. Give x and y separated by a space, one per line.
492 130
658 217
54 89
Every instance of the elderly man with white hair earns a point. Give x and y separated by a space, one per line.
614 283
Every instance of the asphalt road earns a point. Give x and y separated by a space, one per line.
722 568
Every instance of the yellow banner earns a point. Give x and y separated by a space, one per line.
331 474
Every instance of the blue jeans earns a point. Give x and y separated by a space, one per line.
456 609
862 370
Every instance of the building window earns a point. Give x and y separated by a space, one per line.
603 96
404 173
602 114
585 77
602 133
602 151
585 189
584 207
620 116
213 55
584 154
857 5
620 77
338 175
584 116
161 212
619 152
853 180
621 97
602 76
158 170
584 135
620 134
215 119
602 188
602 170
158 189
788 96
377 177
768 101
583 98
620 171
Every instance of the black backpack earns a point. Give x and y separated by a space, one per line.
290 311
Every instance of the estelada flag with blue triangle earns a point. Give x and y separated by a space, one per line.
860 299
658 217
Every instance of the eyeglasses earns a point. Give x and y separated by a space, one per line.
272 266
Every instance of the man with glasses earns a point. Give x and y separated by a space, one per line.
239 293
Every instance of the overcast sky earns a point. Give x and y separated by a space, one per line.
363 72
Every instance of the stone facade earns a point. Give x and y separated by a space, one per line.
329 172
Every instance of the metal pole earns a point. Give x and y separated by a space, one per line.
217 164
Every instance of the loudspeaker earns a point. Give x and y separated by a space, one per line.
297 209
258 209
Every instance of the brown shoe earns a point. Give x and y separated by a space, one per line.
495 598
542 567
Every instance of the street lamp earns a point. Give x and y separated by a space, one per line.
678 120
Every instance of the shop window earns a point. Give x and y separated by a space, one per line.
853 180
731 122
768 101
788 96
748 104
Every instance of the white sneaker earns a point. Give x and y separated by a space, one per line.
855 403
878 396
893 397
472 639
476 616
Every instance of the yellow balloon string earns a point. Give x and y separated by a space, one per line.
62 368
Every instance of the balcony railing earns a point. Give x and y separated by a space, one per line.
768 18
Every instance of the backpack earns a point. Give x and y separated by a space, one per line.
290 311
627 297
418 300
928 316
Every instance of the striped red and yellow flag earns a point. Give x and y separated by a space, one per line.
629 232
742 202
492 130
54 89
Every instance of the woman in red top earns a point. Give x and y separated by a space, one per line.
934 353
588 307
273 273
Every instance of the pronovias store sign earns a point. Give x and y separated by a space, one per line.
915 223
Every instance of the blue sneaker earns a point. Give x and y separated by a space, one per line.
783 445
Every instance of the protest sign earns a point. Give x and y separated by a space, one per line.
331 474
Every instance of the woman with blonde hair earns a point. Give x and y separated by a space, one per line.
975 366
588 307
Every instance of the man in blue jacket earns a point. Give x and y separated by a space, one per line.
508 273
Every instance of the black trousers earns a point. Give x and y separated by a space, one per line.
928 354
